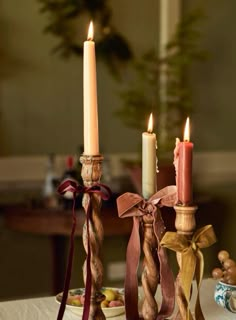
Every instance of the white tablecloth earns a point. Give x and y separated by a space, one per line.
47 308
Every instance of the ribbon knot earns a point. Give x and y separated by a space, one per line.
73 187
133 205
194 246
147 207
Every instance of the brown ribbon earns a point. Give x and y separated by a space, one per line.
192 263
133 205
72 186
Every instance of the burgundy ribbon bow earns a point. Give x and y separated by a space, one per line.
133 205
72 186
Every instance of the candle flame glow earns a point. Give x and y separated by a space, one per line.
187 131
90 31
150 124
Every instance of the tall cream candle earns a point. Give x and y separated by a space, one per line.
91 135
149 161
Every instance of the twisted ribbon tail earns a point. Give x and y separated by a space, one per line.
167 286
131 281
205 237
69 265
166 274
165 197
187 272
126 205
181 301
199 276
88 284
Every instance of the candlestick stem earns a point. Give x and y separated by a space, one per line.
91 175
185 224
150 274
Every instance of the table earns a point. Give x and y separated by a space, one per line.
46 308
48 222
56 223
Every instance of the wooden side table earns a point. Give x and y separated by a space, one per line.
56 223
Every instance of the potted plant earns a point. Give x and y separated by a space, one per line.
66 20
142 95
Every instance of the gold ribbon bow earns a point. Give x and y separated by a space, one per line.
133 205
192 262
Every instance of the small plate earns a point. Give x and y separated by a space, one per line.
78 310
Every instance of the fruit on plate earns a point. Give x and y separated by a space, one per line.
115 303
105 304
110 294
74 300
113 298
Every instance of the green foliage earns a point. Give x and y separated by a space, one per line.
66 22
142 95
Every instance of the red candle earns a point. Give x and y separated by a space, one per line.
184 154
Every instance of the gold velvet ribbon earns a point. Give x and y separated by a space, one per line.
192 263
133 205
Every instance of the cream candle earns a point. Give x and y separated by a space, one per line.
149 161
184 177
91 135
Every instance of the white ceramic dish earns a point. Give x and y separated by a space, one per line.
109 312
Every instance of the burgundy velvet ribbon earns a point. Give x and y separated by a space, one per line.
133 205
72 186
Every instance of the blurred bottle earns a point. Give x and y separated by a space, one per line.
70 170
106 171
50 196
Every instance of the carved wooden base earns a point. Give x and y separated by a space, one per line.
91 174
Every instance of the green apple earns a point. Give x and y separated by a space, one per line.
110 294
76 302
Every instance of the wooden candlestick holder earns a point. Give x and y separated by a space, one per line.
185 224
150 273
91 174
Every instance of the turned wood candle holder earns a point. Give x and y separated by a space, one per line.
91 174
185 224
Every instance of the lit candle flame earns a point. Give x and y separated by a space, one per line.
187 131
150 124
90 31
